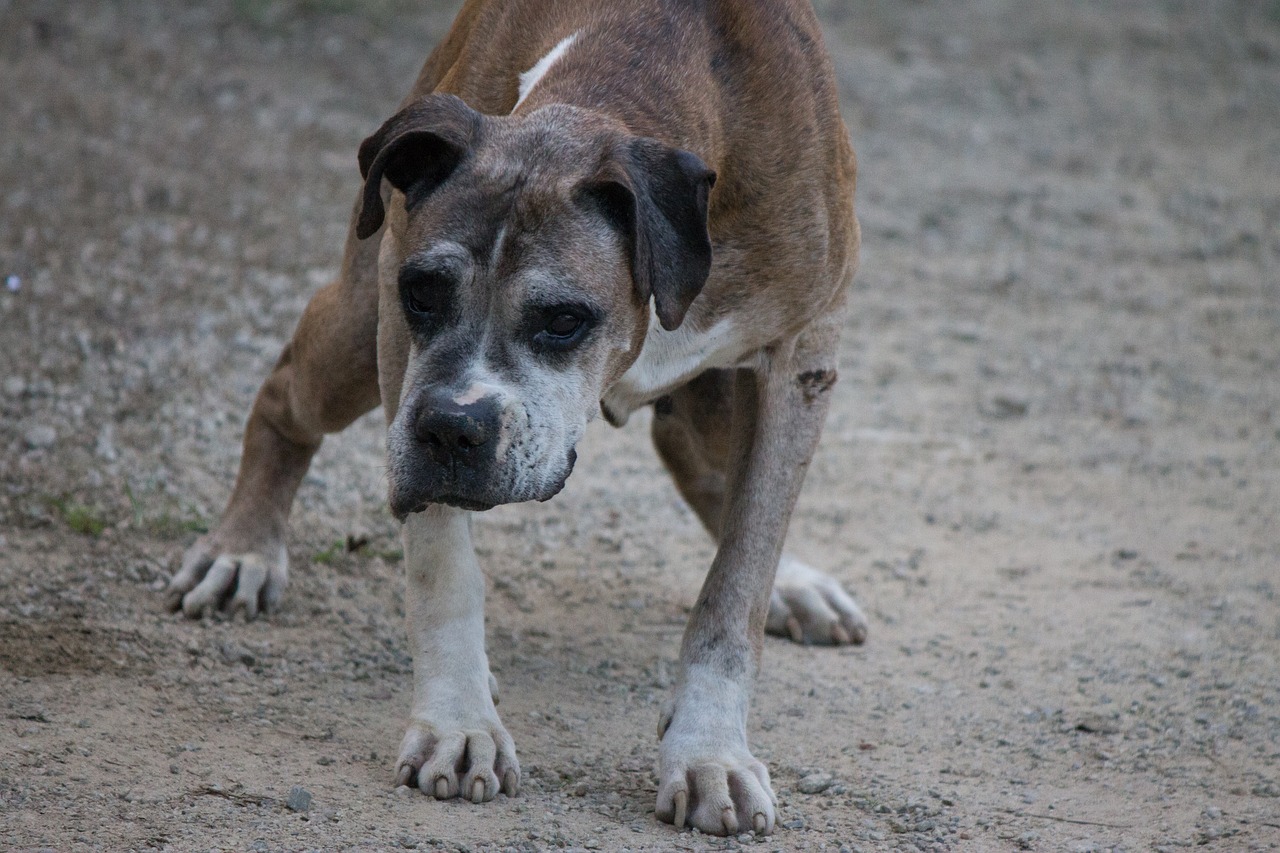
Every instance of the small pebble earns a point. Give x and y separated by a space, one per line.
1096 723
815 783
299 799
14 386
13 284
105 447
40 437
1006 406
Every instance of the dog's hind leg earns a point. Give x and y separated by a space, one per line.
691 431
326 377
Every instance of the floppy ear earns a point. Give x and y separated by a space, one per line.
657 196
415 150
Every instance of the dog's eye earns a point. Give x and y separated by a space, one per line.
561 328
418 297
564 326
424 292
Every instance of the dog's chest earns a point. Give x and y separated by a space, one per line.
668 360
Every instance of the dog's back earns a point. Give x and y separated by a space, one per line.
745 84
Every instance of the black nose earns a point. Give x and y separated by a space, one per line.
449 430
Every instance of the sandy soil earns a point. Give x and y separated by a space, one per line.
1051 475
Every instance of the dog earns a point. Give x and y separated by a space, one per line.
582 207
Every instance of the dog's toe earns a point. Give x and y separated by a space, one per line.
233 580
810 606
707 777
473 762
718 797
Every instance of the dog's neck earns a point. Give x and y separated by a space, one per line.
655 89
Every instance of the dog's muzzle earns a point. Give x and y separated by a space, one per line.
448 454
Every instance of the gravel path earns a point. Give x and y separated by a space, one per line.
1051 473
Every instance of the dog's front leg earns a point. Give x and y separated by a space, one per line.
455 744
707 773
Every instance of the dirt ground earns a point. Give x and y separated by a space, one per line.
1051 474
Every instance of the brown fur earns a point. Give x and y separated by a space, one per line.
747 87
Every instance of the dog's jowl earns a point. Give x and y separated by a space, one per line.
581 208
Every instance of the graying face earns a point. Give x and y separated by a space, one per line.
519 261
520 305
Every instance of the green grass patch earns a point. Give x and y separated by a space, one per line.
169 526
82 518
328 555
164 524
355 545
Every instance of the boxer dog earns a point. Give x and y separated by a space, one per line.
584 206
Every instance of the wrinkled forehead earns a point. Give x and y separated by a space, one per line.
507 193
552 150
512 203
538 277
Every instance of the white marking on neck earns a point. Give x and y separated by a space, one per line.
530 78
669 359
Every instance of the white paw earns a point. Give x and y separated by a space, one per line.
721 795
707 776
228 576
472 761
810 606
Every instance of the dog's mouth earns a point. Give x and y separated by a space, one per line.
407 501
469 504
402 510
564 478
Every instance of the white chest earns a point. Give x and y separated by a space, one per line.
670 359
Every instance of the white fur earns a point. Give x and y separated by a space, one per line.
530 78
540 422
712 713
806 604
495 254
445 612
671 358
706 741
475 392
453 716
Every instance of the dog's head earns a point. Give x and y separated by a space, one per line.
522 255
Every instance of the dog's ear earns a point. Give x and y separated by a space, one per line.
657 196
415 150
